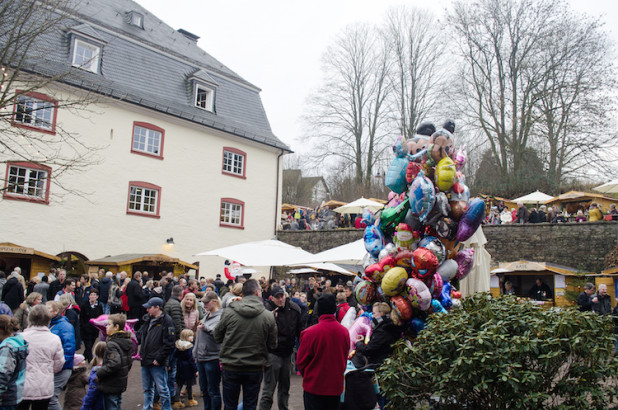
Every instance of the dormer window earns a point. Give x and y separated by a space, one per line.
86 55
136 19
204 97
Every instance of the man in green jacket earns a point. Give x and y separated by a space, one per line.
246 331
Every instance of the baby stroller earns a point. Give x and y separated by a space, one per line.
360 388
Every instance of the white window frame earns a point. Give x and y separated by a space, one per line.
206 103
33 183
35 112
233 163
149 137
92 64
231 214
138 197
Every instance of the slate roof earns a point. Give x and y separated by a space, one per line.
153 67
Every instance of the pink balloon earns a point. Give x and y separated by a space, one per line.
465 260
101 324
361 326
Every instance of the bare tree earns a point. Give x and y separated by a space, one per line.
347 115
576 99
530 80
418 64
26 69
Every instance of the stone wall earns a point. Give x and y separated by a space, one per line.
578 245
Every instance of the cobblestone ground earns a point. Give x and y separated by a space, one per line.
133 398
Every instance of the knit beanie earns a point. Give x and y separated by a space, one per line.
327 305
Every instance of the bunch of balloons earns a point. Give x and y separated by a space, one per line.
414 245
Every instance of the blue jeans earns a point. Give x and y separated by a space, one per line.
250 382
155 376
112 401
210 377
171 375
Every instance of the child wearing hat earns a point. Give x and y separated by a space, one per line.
76 386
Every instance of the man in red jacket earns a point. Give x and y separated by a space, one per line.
322 358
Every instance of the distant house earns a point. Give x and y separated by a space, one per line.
299 190
187 152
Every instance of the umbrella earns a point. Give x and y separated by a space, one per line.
261 253
537 197
357 207
610 187
350 254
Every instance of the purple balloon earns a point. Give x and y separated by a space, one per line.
465 260
470 221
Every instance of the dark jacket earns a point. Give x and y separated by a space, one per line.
94 398
218 283
135 295
173 309
603 305
379 347
289 325
114 371
304 312
584 302
246 331
61 327
54 288
534 217
185 364
76 388
104 285
13 293
72 313
157 336
542 217
88 312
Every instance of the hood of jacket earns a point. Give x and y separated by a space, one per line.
249 306
105 280
183 345
123 339
17 345
57 319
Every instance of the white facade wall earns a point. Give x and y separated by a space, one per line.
191 182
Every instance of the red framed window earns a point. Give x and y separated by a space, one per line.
232 213
147 139
27 181
35 111
144 199
234 162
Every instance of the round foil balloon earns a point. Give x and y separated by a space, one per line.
426 262
465 260
435 246
401 307
445 174
458 208
422 196
418 294
437 286
365 293
388 250
394 281
470 221
447 270
374 240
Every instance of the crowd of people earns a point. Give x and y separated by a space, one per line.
500 214
243 335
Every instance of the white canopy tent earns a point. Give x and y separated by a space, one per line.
536 197
610 187
272 253
478 278
349 254
357 207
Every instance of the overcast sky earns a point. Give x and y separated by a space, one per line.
277 44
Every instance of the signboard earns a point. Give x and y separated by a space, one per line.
16 249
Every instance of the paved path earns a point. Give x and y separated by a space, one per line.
133 398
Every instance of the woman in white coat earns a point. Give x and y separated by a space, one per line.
45 358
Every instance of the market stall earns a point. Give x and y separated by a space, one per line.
573 201
133 262
31 261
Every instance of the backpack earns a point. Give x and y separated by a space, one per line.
114 296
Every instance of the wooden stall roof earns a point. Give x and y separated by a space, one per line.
382 201
532 266
610 271
7 247
493 200
291 207
333 204
131 258
577 196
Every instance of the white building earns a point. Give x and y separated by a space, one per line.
186 148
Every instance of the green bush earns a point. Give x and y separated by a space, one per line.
503 353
